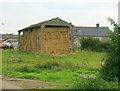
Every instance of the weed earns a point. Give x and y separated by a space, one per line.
47 65
64 69
93 84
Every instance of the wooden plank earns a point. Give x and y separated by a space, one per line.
41 38
34 40
28 40
19 40
37 31
23 41
71 44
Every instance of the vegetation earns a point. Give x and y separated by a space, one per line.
93 44
111 70
93 84
60 69
68 68
82 59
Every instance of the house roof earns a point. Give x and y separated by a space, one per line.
91 31
52 22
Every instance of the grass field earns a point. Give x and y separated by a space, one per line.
47 66
61 69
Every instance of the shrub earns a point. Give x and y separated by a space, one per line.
56 68
27 69
47 65
56 65
93 84
94 44
89 43
103 46
110 70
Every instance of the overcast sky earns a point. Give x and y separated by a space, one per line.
18 14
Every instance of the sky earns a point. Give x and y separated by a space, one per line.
18 14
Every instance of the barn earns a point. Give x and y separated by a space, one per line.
52 36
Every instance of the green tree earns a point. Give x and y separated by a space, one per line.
110 71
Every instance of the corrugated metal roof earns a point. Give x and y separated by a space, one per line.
91 31
52 22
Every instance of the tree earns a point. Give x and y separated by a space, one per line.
110 70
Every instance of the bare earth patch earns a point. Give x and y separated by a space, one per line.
31 84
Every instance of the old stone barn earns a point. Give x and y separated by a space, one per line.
52 36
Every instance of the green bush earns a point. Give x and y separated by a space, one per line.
47 65
93 84
56 65
94 44
89 43
110 70
27 69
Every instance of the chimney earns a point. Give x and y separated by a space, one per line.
97 25
70 23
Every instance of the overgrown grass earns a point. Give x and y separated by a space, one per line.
45 67
92 84
82 59
65 76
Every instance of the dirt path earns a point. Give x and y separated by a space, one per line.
7 85
27 84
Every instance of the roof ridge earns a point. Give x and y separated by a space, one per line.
43 21
90 27
50 20
47 22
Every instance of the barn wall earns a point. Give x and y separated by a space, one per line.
32 42
37 37
56 39
25 36
20 41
